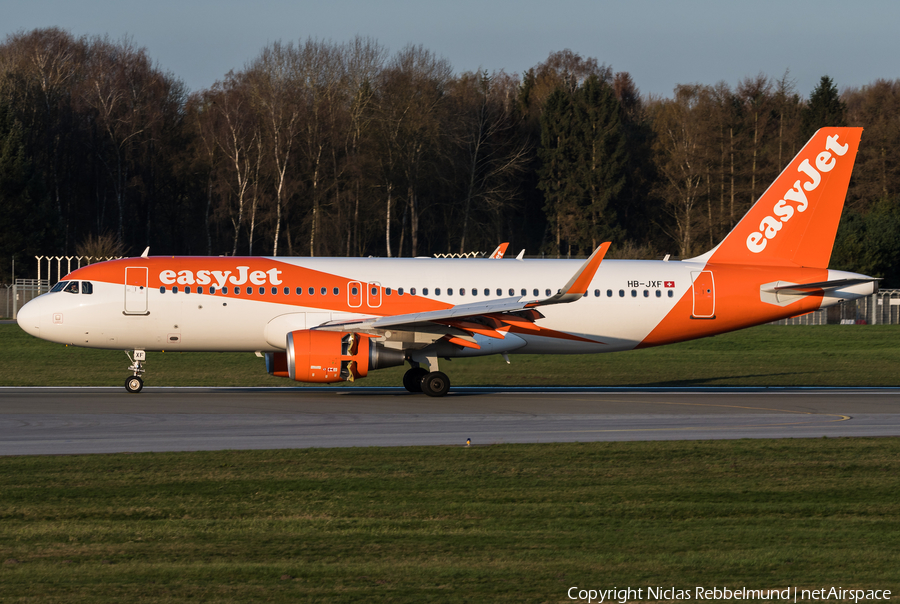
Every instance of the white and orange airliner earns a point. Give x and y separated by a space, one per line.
326 320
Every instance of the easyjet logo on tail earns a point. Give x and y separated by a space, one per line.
794 199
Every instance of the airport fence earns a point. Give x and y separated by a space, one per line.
14 296
882 308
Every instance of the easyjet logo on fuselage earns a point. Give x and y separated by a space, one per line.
783 210
221 278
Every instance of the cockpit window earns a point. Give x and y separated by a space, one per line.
72 287
87 287
59 286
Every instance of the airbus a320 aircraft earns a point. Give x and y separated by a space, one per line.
336 319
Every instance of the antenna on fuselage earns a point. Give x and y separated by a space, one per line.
146 252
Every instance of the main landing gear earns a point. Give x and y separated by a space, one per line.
419 379
134 383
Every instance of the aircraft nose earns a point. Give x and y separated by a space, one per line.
29 318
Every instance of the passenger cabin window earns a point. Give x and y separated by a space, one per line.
262 291
212 289
199 290
162 289
399 291
174 289
596 293
312 291
72 287
299 291
287 291
449 291
335 291
187 289
323 291
512 292
225 290
671 293
536 292
621 293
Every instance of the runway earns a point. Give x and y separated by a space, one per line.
43 421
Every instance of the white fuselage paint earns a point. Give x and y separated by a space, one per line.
203 322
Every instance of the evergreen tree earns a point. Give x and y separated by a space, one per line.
602 161
23 227
868 243
558 154
824 108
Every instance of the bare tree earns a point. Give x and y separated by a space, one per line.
876 107
274 91
411 92
679 157
490 151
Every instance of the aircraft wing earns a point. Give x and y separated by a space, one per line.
485 318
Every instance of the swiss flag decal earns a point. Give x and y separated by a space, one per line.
669 284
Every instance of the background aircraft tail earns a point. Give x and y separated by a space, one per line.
795 221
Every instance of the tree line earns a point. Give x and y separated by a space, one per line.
344 149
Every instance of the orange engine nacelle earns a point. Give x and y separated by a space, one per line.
331 356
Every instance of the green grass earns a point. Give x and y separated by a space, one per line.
509 523
832 355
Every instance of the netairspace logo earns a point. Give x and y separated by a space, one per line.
787 594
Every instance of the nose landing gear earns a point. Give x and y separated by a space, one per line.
134 383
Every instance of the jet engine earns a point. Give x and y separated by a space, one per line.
331 356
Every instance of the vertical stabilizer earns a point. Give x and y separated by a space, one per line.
795 221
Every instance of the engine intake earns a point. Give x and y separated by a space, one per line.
331 356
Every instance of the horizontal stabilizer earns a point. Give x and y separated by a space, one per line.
806 289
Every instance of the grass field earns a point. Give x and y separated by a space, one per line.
829 355
506 523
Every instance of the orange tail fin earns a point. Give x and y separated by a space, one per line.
795 221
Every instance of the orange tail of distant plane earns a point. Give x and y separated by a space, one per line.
795 221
